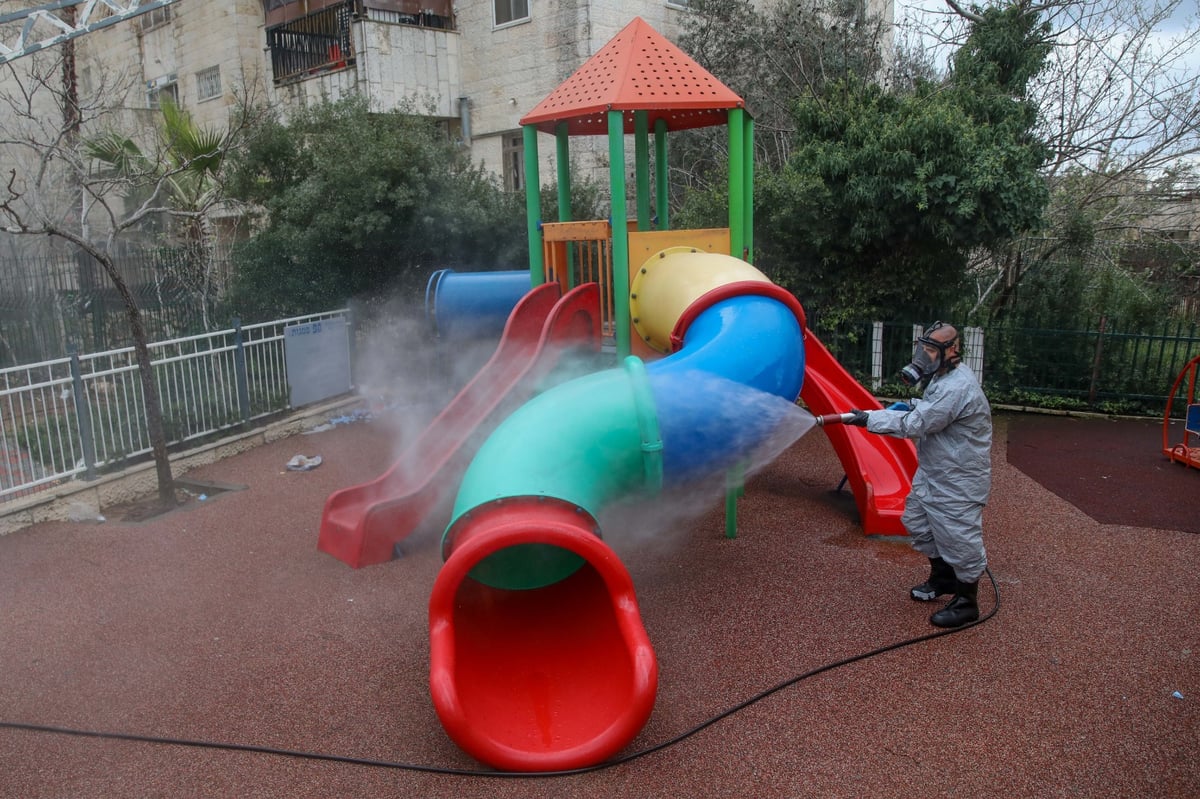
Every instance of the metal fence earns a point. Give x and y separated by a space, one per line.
50 300
1102 367
316 42
84 414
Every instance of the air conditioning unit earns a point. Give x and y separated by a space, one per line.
159 82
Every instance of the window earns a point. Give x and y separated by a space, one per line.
511 11
208 83
514 162
157 17
166 86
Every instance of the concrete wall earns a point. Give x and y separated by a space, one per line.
509 70
86 501
202 34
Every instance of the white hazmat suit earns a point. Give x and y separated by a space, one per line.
952 427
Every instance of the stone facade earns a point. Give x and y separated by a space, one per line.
477 76
207 53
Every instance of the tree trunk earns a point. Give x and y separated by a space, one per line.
141 349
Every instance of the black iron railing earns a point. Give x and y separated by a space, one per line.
315 43
321 41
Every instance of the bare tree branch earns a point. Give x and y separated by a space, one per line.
59 189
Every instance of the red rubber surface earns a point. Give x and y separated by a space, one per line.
222 622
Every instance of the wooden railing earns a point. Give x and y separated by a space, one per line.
574 253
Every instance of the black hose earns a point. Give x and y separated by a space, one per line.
458 772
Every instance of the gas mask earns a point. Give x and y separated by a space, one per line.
925 365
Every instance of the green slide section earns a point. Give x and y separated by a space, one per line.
588 442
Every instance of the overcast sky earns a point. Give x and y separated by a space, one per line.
935 14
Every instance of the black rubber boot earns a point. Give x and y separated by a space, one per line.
941 581
963 609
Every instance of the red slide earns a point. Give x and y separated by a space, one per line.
361 524
879 468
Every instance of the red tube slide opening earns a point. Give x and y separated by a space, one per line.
538 679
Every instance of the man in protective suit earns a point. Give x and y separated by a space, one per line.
952 427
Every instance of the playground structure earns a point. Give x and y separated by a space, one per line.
1186 452
538 657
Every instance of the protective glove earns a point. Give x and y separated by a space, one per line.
859 418
900 406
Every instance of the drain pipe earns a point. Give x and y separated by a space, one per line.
464 119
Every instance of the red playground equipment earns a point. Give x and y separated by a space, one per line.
1185 452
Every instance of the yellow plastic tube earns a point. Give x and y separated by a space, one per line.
672 280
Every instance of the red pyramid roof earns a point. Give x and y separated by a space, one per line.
638 70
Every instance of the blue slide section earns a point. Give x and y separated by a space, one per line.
708 414
716 400
472 304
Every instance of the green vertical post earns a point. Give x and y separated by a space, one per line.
735 479
564 172
641 158
735 486
748 184
620 232
660 173
737 168
533 210
564 192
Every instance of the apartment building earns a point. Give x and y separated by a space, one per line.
476 65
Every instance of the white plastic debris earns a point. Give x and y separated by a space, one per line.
303 463
84 512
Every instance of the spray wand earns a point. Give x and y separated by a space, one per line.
833 418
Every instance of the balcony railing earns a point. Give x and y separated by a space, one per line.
317 42
322 42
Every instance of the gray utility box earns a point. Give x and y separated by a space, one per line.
317 356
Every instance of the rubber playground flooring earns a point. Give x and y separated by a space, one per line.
1111 469
215 652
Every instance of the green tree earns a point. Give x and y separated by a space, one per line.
1119 109
771 54
886 193
355 203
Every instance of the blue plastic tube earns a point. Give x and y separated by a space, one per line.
472 304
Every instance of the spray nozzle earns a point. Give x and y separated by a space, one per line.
833 418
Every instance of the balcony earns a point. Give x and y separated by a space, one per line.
323 41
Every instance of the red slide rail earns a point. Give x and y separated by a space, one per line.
879 468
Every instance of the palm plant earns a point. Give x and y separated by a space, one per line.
179 178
